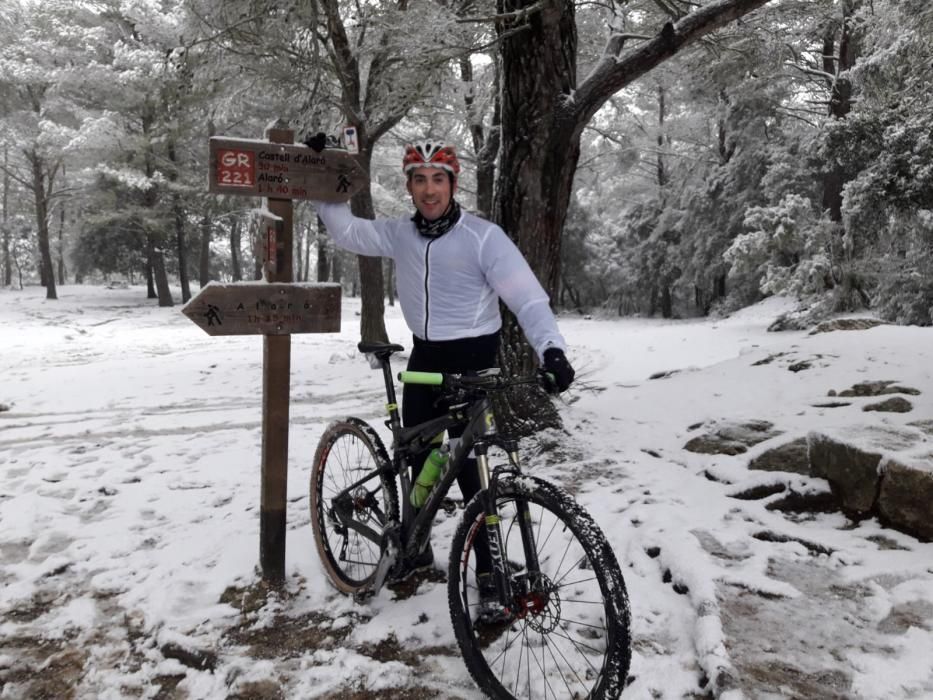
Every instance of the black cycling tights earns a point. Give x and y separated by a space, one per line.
420 403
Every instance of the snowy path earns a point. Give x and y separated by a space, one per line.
129 488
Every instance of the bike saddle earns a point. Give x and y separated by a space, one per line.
380 350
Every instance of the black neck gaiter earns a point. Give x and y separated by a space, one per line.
440 225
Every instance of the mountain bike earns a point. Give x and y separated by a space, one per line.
558 624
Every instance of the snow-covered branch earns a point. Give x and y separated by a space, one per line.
611 75
812 71
518 16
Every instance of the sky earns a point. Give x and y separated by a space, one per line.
129 500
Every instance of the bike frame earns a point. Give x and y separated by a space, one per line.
411 536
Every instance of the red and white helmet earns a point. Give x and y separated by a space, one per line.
430 154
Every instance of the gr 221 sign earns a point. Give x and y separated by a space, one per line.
250 167
236 168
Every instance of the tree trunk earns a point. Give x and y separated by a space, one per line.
840 99
204 259
257 243
663 176
154 239
390 281
372 312
539 151
235 250
667 301
544 112
150 281
485 143
540 138
307 253
567 288
61 245
39 182
7 256
322 257
157 265
181 245
297 257
5 224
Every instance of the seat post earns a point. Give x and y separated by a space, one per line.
395 421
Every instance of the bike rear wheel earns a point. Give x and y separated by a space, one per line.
567 633
349 450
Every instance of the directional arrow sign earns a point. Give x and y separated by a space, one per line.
256 168
263 308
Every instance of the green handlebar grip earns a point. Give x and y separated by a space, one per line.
430 378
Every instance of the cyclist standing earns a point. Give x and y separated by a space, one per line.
452 267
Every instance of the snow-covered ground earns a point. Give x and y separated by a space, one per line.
129 498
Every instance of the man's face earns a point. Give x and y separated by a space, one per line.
431 191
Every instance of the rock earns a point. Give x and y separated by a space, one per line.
793 321
732 438
714 445
768 360
867 479
852 472
751 432
4 407
847 324
896 404
906 499
789 457
201 659
257 690
878 388
925 426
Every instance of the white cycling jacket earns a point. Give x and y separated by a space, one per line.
449 287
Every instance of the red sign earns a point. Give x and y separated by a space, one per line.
236 168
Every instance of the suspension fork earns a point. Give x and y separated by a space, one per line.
493 530
524 522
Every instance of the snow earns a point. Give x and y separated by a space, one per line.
129 499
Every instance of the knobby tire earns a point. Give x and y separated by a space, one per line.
574 640
347 451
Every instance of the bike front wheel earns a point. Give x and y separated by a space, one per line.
566 633
348 525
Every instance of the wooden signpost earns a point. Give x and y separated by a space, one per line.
280 171
252 308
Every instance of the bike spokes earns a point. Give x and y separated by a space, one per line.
560 637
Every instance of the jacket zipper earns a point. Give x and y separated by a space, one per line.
427 249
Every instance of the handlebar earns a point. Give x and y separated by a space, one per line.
485 381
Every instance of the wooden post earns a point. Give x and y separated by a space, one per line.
281 171
276 370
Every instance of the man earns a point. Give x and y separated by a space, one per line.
451 270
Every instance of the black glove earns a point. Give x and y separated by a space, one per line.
557 366
317 142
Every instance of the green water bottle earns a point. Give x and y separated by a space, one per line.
433 466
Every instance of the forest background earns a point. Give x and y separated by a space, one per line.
655 157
